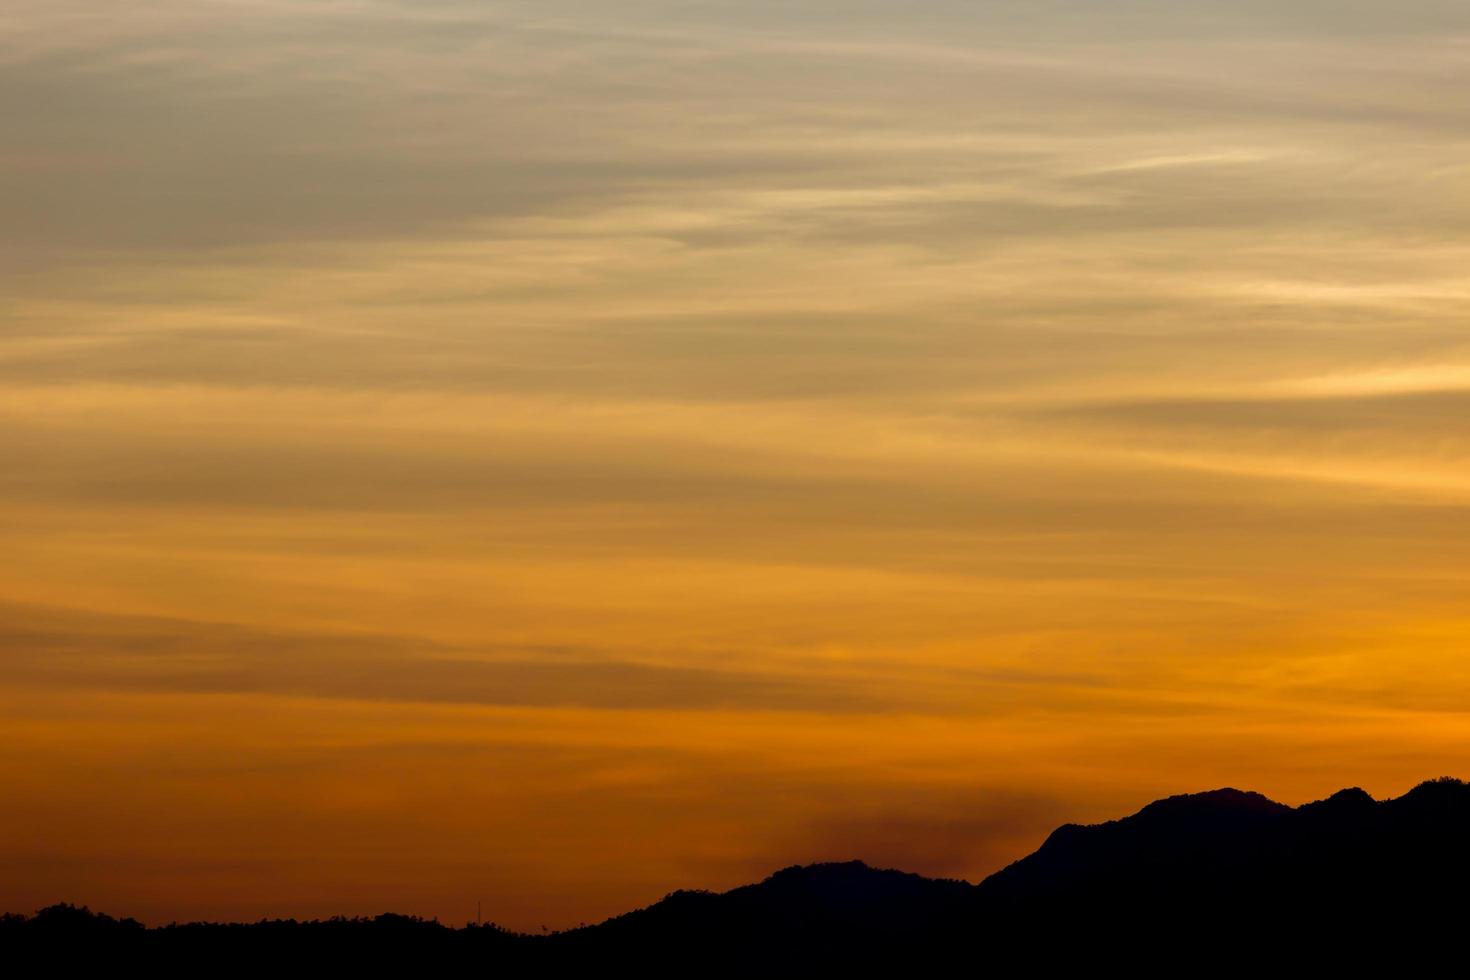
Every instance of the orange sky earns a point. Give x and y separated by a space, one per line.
553 453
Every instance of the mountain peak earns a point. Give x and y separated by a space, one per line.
1441 786
1226 798
823 870
1443 794
1344 800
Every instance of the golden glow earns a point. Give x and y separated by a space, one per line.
553 453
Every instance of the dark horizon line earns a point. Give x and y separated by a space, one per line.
1225 794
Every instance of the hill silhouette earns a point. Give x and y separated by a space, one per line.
1207 879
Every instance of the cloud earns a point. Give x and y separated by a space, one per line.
72 650
1426 415
252 124
937 831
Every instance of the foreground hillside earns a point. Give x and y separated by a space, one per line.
1217 877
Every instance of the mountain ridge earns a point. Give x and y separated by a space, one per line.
1223 866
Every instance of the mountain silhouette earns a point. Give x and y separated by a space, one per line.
1198 883
817 909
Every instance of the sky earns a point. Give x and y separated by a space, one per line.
546 454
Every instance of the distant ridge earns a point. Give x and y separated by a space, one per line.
1229 872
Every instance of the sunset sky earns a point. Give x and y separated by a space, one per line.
550 453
